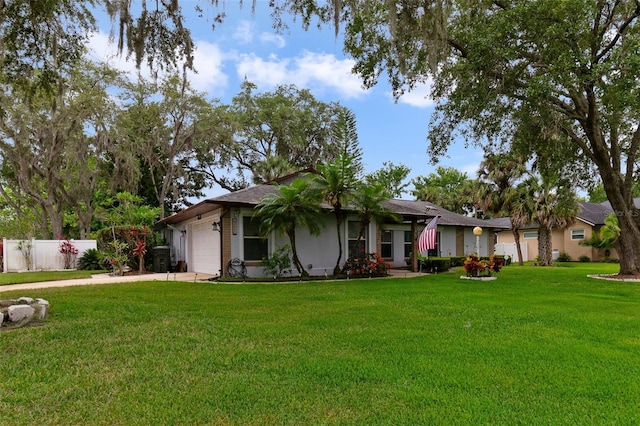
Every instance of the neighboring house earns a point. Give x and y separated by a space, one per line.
589 221
205 237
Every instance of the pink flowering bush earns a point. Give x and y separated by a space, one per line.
69 253
368 265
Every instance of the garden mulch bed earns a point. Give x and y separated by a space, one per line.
617 277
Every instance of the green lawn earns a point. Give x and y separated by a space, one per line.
538 346
42 276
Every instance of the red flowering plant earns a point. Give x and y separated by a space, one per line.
368 265
138 237
69 252
476 267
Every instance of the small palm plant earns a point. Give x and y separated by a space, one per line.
289 208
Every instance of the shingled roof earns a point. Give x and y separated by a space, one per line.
250 197
593 214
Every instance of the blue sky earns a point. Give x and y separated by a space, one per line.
246 45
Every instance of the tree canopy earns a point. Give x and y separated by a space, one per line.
564 71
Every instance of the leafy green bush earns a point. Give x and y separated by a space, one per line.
278 264
610 260
90 261
584 259
436 264
564 257
504 260
457 261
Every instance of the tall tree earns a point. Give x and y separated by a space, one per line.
501 174
392 177
552 203
56 143
369 202
568 67
269 134
444 188
337 179
162 124
291 207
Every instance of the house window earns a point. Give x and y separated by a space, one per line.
355 247
255 247
577 234
530 235
386 244
407 243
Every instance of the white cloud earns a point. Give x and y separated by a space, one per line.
270 72
322 69
102 49
316 71
419 96
208 61
244 32
273 39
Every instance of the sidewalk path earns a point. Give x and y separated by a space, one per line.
171 276
107 279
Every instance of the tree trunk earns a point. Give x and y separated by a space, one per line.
291 233
336 269
516 238
544 246
628 244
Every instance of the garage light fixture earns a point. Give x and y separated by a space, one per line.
217 226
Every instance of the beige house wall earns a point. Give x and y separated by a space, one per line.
561 241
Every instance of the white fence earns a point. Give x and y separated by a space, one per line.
509 249
44 254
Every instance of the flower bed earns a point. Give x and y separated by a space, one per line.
479 268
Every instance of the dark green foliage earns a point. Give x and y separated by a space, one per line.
90 260
457 261
564 257
436 264
584 259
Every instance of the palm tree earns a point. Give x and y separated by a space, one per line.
368 200
552 203
337 179
291 206
501 195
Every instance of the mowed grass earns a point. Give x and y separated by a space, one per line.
537 346
42 276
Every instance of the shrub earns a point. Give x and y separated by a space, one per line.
457 261
584 259
476 267
564 257
278 264
90 260
69 253
435 264
610 260
369 265
506 260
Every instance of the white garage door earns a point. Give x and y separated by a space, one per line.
205 249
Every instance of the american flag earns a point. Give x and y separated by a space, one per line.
427 239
